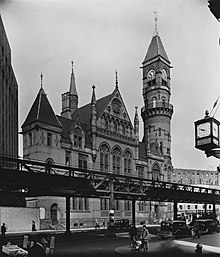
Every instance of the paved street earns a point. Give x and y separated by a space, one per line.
94 243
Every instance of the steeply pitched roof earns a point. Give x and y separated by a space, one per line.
84 112
155 49
41 111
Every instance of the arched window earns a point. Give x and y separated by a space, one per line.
156 172
154 101
42 213
116 155
163 101
127 162
53 213
104 158
49 161
77 137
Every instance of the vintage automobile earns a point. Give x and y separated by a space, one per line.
205 225
175 228
122 224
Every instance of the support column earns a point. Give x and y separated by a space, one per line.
111 203
68 232
175 209
111 229
133 212
205 208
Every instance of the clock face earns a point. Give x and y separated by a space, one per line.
151 74
164 74
203 130
215 129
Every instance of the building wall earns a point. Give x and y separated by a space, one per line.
8 100
18 219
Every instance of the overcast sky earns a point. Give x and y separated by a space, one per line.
101 36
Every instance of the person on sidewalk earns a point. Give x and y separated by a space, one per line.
144 237
33 225
196 230
3 230
133 235
97 224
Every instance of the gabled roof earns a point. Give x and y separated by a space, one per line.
42 111
155 49
84 112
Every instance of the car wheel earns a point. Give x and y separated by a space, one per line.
177 234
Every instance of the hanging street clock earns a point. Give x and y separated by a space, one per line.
207 133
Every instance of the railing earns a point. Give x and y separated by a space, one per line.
124 187
157 105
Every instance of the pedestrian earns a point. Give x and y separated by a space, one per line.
198 250
3 230
132 234
144 237
196 230
33 225
97 224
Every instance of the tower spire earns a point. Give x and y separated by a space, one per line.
155 20
116 79
41 80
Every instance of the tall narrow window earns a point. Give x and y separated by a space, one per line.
30 138
104 158
77 138
127 205
116 160
82 161
127 162
156 172
49 139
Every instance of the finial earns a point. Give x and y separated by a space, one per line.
116 79
206 114
93 87
72 65
155 19
41 80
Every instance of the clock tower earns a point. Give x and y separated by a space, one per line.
157 110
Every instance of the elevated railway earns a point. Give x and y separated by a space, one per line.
27 178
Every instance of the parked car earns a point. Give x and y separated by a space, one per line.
175 228
122 224
205 226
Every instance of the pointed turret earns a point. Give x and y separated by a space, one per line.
41 111
136 132
70 99
93 124
156 50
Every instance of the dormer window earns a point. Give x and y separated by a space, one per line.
77 138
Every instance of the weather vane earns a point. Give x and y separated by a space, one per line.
72 65
41 80
156 19
116 81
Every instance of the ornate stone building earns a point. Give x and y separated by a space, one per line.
101 136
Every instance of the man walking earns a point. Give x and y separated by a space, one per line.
3 230
144 237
